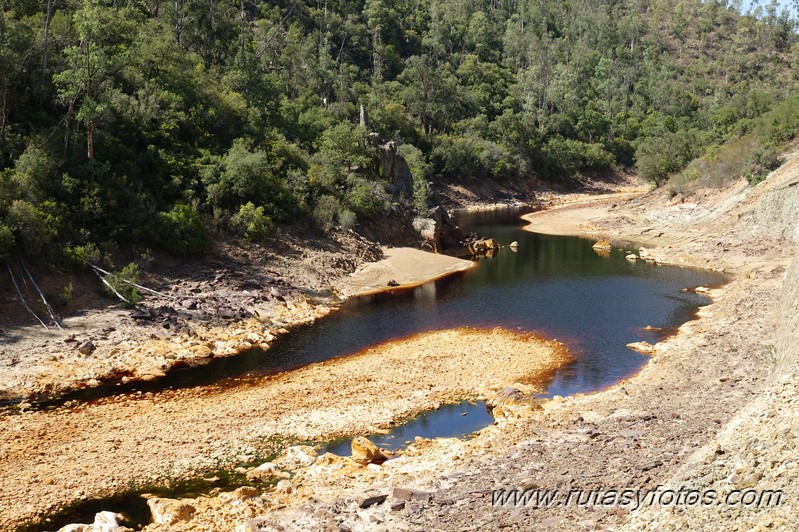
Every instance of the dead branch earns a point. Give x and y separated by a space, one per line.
106 283
131 283
22 298
41 295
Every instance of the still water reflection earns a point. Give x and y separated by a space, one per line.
557 286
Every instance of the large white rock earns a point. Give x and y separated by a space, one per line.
103 522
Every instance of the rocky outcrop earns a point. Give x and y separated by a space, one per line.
785 345
645 254
170 511
439 231
364 452
483 245
393 168
645 348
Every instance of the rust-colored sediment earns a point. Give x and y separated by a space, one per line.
104 446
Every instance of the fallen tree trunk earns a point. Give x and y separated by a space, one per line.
41 295
22 297
99 270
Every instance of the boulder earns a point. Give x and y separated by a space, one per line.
603 245
511 403
103 522
439 231
646 255
297 456
202 351
265 471
642 347
371 501
86 348
365 452
484 245
632 257
170 511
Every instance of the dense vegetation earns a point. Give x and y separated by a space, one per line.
141 123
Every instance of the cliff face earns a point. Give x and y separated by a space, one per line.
393 168
787 341
776 216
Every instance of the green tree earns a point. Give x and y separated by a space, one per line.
660 156
431 94
82 86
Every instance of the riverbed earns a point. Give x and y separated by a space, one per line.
558 287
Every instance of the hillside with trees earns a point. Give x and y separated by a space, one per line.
152 124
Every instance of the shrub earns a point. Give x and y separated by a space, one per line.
248 177
117 281
660 156
420 169
326 211
63 296
367 198
346 219
37 172
765 159
6 241
345 146
33 228
561 157
79 257
596 157
456 156
468 156
623 152
184 232
251 222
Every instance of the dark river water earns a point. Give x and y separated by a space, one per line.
554 285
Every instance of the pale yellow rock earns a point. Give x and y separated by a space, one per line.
170 511
646 255
364 451
202 351
642 347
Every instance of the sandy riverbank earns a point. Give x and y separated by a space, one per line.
401 268
54 457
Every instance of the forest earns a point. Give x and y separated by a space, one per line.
154 124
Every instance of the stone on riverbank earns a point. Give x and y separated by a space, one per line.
365 452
